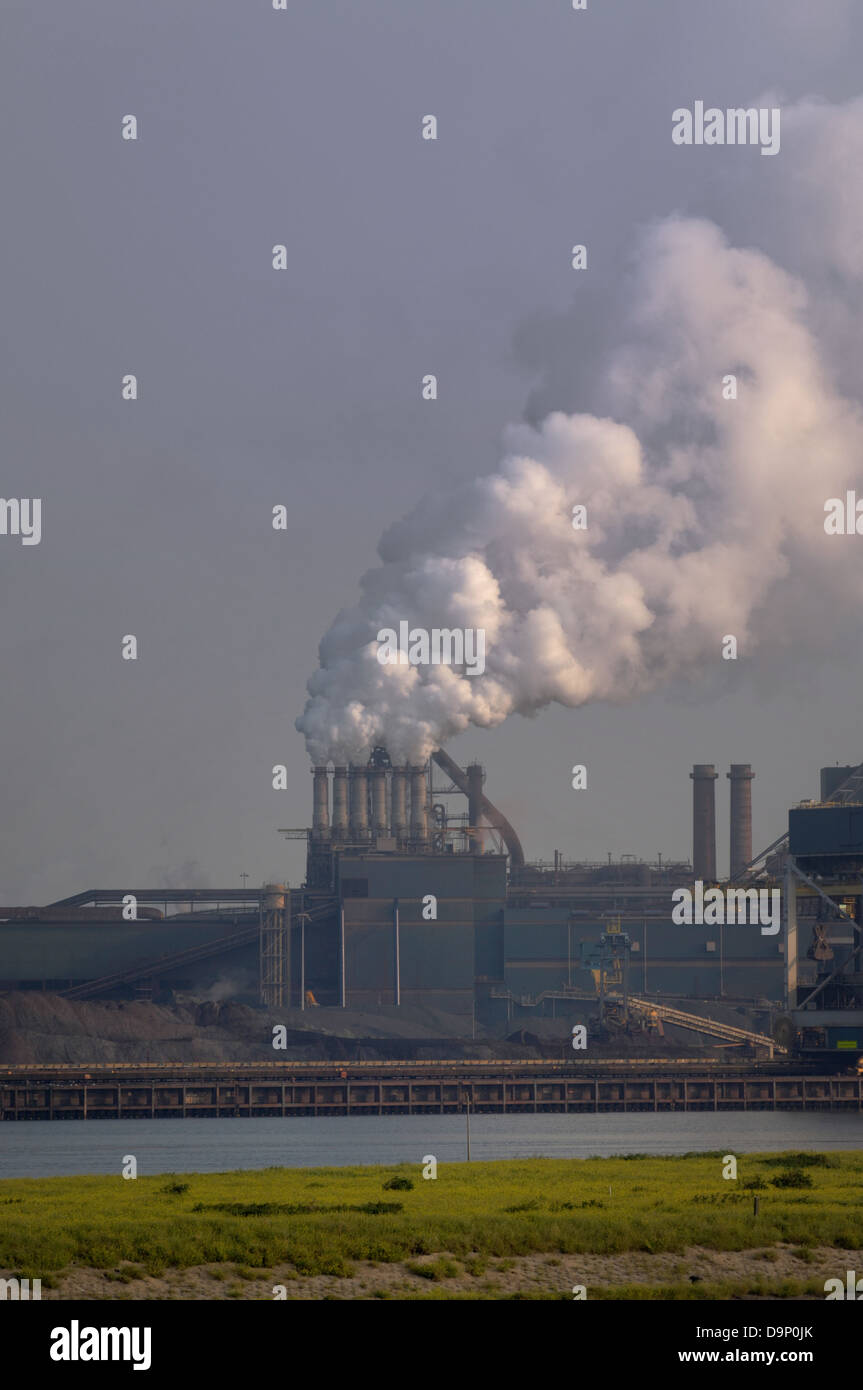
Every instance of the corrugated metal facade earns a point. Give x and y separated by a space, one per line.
543 952
437 957
830 830
56 954
475 938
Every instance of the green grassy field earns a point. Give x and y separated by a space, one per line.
328 1221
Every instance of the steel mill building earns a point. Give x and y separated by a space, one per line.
417 892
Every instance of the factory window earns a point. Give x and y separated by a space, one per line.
355 888
711 945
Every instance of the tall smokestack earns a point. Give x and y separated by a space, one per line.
704 821
399 797
379 801
359 784
419 807
474 806
321 809
340 803
740 777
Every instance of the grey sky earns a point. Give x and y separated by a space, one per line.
406 257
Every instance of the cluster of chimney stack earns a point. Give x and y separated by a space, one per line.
363 812
703 777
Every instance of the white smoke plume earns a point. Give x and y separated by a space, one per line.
705 515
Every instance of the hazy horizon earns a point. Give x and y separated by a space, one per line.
303 388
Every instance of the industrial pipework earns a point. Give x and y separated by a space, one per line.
340 803
359 785
495 818
362 813
321 812
419 804
399 803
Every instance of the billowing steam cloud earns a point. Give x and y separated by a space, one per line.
705 515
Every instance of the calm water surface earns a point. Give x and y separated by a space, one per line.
39 1148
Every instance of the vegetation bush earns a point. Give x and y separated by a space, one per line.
490 1212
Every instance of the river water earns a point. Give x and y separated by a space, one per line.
39 1148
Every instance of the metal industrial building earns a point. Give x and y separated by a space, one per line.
417 892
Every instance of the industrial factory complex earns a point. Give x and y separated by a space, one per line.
417 893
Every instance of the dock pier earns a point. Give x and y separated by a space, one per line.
221 1090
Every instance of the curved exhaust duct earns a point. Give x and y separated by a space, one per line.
496 819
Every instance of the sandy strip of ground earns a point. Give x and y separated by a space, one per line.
492 1278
